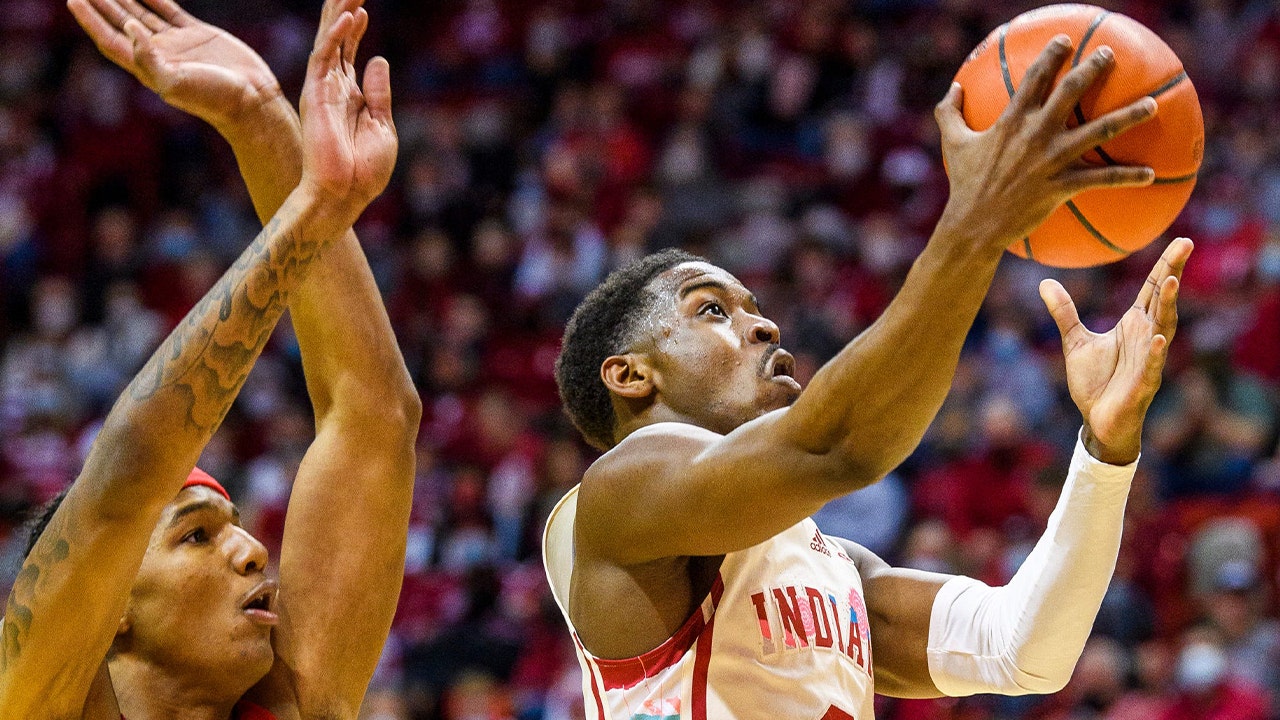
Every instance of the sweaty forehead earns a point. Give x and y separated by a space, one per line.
694 273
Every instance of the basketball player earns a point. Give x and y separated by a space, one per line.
143 597
694 583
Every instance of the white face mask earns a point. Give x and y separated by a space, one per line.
1201 666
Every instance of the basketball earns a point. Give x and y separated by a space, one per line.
1103 225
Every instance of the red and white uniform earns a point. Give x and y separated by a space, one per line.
783 634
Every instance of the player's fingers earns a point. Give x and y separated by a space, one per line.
1166 311
352 45
1039 77
1171 263
1153 368
1099 130
1074 85
111 41
1081 178
1063 310
377 90
949 115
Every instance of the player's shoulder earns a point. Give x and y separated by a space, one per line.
647 450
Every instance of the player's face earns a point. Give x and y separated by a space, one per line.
717 359
201 601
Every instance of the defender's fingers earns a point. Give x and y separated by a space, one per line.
1039 77
1063 310
377 90
1074 85
352 45
154 22
1079 179
1171 263
111 40
332 10
327 53
1099 130
170 11
949 115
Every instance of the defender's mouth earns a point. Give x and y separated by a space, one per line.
259 604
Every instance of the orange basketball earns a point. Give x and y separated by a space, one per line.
1098 226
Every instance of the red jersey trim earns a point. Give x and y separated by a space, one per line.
629 672
595 686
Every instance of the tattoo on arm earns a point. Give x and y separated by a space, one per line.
206 359
51 549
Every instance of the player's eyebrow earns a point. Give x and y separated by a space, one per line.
712 283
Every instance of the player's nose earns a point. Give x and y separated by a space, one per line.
764 330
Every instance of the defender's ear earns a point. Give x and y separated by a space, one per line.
627 376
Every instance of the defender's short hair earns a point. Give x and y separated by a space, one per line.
39 519
605 324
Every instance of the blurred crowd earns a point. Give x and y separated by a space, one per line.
544 143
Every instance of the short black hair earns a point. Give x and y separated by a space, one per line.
605 324
40 518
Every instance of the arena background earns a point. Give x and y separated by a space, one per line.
544 143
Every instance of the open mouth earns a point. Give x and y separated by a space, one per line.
782 365
259 604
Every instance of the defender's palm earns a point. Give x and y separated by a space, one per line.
1113 376
192 65
349 138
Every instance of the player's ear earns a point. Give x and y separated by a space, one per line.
628 376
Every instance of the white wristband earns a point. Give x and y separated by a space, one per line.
1026 637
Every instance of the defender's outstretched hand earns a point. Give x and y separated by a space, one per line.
349 138
1006 179
1113 376
192 65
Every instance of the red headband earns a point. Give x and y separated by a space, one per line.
204 479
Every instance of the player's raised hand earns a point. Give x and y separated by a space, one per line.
192 65
349 138
1006 179
1113 376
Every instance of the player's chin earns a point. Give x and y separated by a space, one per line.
781 392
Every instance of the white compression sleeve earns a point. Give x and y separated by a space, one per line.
1026 637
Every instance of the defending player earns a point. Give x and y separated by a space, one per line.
685 562
142 596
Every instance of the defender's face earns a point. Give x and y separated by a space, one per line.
717 359
202 601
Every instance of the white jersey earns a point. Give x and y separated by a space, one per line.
782 635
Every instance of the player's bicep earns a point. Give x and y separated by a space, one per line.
674 490
900 605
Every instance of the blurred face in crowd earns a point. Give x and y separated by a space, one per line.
714 358
201 602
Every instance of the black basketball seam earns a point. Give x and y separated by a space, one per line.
1004 61
1097 234
1084 41
1026 246
1169 85
1175 180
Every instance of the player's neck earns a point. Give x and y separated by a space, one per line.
147 691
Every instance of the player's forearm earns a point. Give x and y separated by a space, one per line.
1026 637
871 404
160 424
